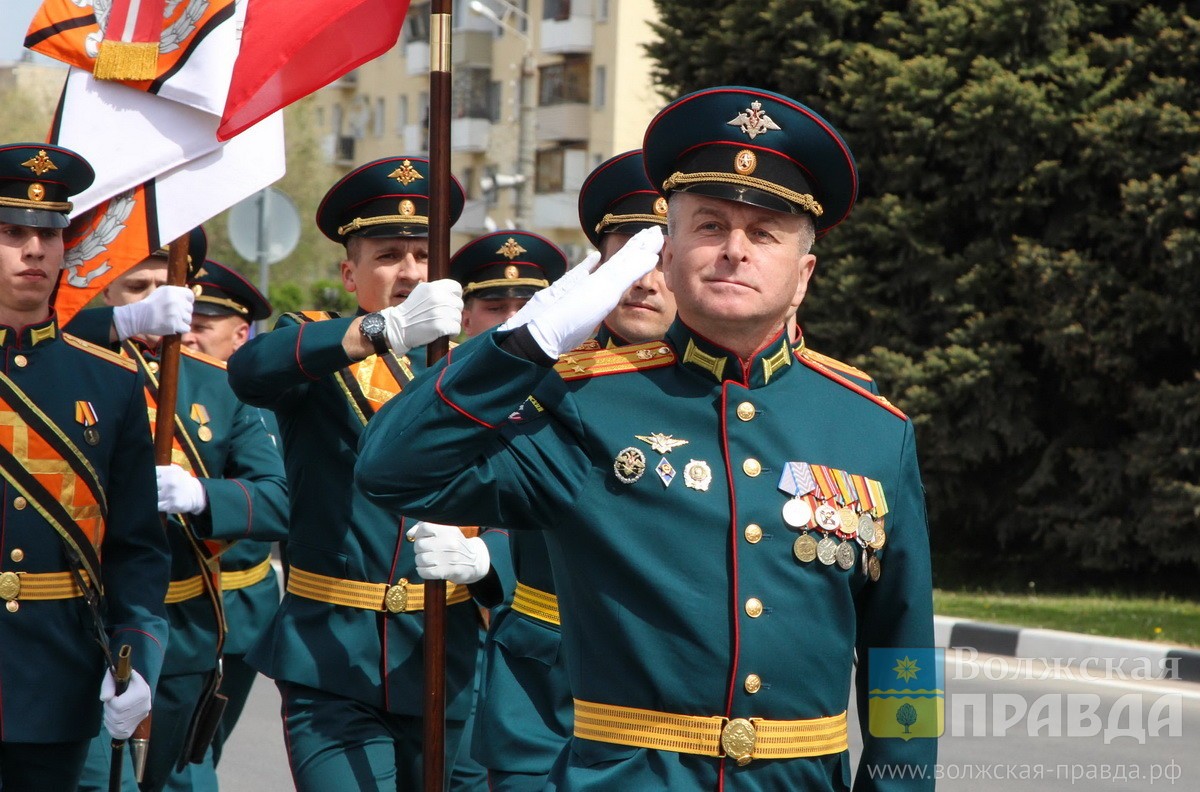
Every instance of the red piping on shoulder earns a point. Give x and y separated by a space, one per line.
840 380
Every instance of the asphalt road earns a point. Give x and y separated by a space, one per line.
995 754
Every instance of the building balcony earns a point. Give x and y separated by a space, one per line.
563 122
568 27
416 58
470 134
472 48
416 139
556 210
347 82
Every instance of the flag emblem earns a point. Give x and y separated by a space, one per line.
907 696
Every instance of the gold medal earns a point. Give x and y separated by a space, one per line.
697 475
805 547
629 465
880 537
797 512
204 433
847 521
845 555
874 569
826 551
866 528
827 518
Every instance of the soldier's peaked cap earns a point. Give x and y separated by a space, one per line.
753 146
221 291
618 197
36 179
385 198
507 264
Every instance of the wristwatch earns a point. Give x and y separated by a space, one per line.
374 329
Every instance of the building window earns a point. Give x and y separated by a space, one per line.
401 114
379 122
472 93
495 94
601 10
560 169
601 87
564 83
416 23
557 10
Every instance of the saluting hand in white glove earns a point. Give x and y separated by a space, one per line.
123 713
167 311
443 553
179 492
431 311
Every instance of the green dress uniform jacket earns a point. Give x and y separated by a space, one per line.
674 598
50 663
369 656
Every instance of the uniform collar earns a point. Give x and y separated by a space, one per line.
608 338
718 364
30 335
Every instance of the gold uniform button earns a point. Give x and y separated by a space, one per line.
153 366
754 533
17 554
12 606
21 361
19 502
754 607
751 467
753 684
746 411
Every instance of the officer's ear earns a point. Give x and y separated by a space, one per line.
808 263
347 271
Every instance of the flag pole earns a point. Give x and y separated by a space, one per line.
439 267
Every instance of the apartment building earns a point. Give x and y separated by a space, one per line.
543 91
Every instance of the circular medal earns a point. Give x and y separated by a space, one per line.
92 435
797 512
874 569
805 547
827 551
866 528
827 518
697 475
880 536
204 433
847 521
845 555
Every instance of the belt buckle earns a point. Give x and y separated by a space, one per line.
10 586
738 737
396 598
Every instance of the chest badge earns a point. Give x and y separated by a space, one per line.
697 475
85 414
661 443
629 465
199 414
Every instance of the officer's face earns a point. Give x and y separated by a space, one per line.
481 315
383 272
137 283
736 269
217 336
30 260
647 308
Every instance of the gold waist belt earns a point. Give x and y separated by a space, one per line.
16 586
183 590
741 739
244 578
540 605
402 597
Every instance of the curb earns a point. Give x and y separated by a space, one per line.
998 639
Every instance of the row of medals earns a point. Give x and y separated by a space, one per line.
853 530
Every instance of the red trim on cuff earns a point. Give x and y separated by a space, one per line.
249 507
455 407
143 632
299 364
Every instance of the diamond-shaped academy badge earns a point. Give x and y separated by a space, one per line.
665 471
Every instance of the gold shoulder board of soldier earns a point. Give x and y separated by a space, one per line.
99 351
620 360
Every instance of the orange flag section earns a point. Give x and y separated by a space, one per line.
102 243
63 30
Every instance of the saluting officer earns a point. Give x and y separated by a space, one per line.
746 519
225 484
346 646
83 560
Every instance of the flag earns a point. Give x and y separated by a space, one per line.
197 43
291 48
119 232
906 692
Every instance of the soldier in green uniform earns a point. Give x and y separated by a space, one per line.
83 560
226 483
745 519
225 305
346 645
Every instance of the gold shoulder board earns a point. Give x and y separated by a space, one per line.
835 364
203 358
100 352
826 371
619 360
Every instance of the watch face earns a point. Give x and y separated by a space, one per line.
372 325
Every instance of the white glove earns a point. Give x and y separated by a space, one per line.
443 553
543 298
572 318
123 713
179 492
431 311
167 311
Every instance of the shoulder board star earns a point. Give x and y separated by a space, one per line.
661 443
620 360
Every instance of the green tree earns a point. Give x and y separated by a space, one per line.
1020 272
906 716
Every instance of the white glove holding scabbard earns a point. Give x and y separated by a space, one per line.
123 713
179 492
167 311
569 316
431 311
443 553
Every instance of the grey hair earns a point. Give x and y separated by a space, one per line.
808 228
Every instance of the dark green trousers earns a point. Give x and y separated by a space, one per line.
41 767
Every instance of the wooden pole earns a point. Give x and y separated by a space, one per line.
434 752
